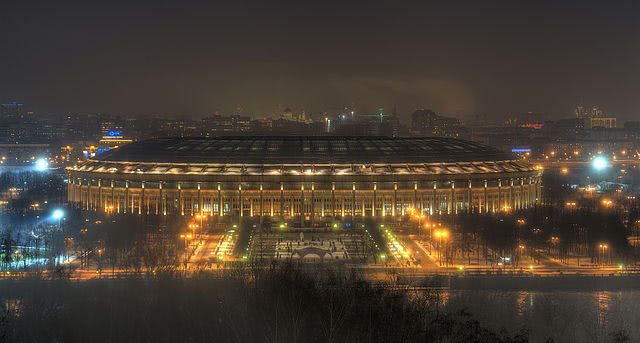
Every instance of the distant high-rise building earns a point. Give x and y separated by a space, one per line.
603 122
581 111
111 128
11 111
427 122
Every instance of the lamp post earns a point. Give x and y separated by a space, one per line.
186 237
603 247
440 234
202 217
17 252
58 214
193 228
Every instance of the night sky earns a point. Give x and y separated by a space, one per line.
471 58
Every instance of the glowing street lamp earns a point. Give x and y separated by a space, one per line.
193 228
57 215
186 237
41 165
600 163
603 247
441 234
202 217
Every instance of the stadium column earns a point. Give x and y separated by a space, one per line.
522 198
88 198
486 198
126 196
261 206
100 194
415 198
452 198
512 199
282 200
301 205
113 198
271 201
199 201
353 200
469 199
240 202
313 204
81 195
163 201
142 200
220 209
333 199
433 198
210 193
499 194
69 189
180 199
373 203
395 199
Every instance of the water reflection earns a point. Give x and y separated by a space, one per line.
13 307
524 302
566 316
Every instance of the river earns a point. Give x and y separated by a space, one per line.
565 316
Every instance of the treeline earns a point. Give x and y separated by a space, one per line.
282 304
551 229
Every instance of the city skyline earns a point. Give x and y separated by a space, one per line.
195 59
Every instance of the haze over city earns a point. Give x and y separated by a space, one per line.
466 59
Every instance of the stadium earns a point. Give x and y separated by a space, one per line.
310 180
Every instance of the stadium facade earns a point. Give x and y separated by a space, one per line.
307 178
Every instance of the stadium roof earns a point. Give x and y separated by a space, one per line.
304 150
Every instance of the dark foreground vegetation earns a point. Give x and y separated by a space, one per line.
278 305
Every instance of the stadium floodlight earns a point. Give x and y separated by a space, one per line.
41 164
599 163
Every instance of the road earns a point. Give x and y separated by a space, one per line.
206 249
427 263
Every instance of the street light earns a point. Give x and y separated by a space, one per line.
57 215
193 228
186 237
440 234
599 163
603 247
41 165
202 217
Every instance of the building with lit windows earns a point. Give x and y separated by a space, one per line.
309 180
